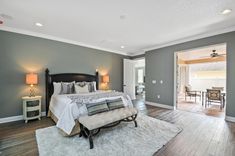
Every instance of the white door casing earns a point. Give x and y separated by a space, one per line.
129 78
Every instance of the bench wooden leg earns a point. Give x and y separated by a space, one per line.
135 123
91 140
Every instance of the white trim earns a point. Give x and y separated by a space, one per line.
10 119
230 118
15 118
179 41
50 37
35 34
159 105
175 80
204 35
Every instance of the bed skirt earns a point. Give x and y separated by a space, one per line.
76 128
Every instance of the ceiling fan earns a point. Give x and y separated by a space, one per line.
215 54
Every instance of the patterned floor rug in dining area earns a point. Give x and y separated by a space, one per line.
123 140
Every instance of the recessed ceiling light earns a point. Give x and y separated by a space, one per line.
226 11
39 24
122 47
122 17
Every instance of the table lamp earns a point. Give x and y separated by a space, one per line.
31 79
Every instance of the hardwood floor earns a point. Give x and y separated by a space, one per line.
201 136
196 107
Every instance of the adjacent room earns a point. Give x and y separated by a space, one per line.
202 74
117 78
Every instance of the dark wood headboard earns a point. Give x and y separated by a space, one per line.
66 77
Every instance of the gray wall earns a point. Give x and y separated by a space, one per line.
160 66
21 54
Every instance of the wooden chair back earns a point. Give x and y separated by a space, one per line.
214 94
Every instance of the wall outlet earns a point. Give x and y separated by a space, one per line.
154 81
161 81
158 96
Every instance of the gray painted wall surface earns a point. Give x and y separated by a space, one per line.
160 66
21 54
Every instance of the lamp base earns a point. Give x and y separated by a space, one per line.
31 92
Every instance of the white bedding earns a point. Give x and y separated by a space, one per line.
67 108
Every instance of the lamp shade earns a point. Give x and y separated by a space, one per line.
31 79
105 79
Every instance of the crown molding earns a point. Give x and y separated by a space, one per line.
196 37
140 52
50 37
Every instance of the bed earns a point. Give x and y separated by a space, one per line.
65 109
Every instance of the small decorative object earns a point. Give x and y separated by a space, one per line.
105 81
31 79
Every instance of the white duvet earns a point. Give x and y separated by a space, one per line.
67 108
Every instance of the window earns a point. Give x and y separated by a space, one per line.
140 73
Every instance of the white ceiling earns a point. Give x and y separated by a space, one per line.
139 25
202 52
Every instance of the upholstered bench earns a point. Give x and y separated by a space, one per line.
91 125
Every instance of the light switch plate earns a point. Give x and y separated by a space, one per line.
161 81
154 81
158 96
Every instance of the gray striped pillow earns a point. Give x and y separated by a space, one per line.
97 107
67 88
115 104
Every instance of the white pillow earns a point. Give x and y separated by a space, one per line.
94 83
79 89
57 88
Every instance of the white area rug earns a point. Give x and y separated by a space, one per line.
122 140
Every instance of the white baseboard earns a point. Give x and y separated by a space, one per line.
15 118
159 105
230 118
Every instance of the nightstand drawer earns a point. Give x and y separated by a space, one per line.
33 113
32 108
32 103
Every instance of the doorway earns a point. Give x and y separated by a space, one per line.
134 78
200 85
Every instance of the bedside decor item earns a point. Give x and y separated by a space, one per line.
31 79
31 107
105 81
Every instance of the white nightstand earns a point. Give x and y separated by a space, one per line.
31 107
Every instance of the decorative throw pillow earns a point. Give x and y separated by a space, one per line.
94 85
67 88
97 107
91 86
57 88
83 89
81 84
115 103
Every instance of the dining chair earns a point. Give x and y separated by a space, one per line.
192 93
214 96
